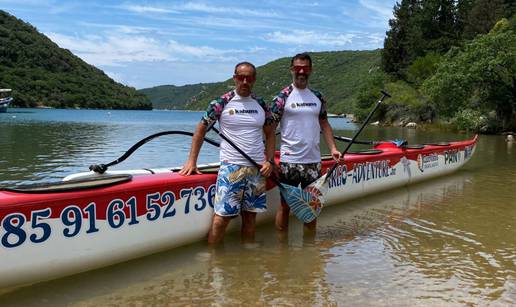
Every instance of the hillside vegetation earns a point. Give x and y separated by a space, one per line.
336 74
173 97
448 60
42 74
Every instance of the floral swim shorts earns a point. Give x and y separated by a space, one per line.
239 188
299 173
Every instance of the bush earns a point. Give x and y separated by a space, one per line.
470 120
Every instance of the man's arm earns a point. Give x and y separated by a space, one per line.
327 132
270 144
198 138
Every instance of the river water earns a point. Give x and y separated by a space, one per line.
449 241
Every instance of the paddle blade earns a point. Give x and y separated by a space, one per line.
305 204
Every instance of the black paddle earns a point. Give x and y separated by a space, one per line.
295 197
384 94
102 168
245 155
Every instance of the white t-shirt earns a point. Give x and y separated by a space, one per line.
300 128
242 121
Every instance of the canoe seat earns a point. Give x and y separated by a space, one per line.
72 185
415 146
211 170
366 152
359 152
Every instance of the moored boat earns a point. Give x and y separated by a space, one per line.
5 99
93 220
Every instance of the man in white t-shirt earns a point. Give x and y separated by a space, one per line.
243 119
301 113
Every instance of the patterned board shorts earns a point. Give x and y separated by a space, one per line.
296 173
239 188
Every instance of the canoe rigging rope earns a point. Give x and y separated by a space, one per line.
102 168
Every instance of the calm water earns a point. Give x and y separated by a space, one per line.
449 241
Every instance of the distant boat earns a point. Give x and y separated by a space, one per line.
5 99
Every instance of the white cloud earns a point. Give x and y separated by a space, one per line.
200 51
146 9
112 49
310 38
117 48
201 7
382 8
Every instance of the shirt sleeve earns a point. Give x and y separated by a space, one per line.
213 112
215 108
323 113
278 104
267 109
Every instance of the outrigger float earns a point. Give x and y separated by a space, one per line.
91 220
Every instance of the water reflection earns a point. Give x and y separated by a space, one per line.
399 246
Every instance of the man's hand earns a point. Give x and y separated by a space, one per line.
266 169
189 168
337 155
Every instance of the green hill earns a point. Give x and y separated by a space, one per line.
42 74
173 97
337 74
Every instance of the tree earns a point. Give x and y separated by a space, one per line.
397 51
480 76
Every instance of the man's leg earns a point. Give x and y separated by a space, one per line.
248 226
282 216
218 228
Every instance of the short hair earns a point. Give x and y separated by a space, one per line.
245 63
301 56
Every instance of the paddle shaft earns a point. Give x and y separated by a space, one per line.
276 181
377 105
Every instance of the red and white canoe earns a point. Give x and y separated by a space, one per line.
91 220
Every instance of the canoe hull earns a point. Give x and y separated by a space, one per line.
49 235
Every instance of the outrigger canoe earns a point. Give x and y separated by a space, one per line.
93 220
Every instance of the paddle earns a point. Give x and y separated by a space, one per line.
316 186
328 174
300 202
102 168
346 139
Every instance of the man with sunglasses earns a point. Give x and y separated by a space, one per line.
243 119
301 113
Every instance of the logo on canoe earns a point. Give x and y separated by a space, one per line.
451 156
468 151
427 161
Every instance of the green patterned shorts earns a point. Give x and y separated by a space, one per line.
296 173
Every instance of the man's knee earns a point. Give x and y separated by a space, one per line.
220 222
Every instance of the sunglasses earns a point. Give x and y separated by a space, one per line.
305 68
241 78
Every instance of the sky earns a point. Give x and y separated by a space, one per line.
149 43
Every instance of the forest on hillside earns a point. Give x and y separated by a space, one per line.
336 74
448 60
42 74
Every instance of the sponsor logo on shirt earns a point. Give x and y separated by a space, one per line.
242 111
303 105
